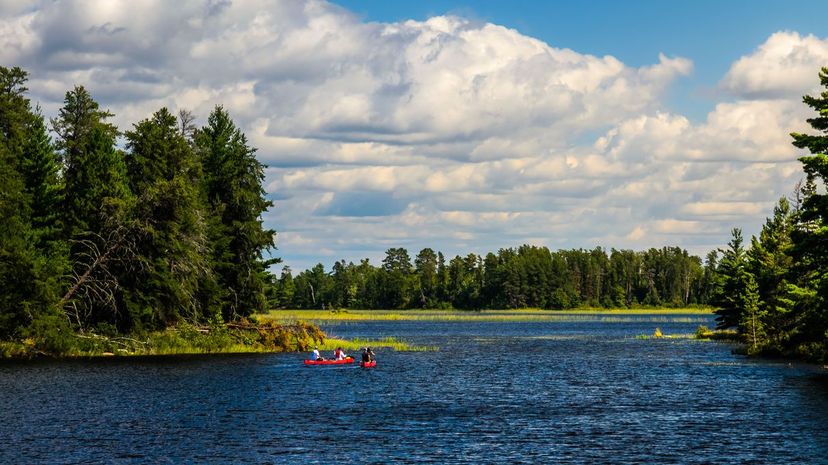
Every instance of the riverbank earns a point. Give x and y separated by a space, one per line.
240 337
654 315
185 339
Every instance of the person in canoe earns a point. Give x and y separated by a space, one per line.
315 355
371 355
366 357
339 354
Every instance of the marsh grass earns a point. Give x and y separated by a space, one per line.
665 336
706 334
353 345
689 315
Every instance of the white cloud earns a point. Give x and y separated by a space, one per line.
449 133
785 65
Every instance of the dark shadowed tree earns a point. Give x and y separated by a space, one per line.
235 203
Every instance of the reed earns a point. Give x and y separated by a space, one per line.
351 345
692 315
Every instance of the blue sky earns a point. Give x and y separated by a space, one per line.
463 126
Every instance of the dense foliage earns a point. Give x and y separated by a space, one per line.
775 292
164 231
527 276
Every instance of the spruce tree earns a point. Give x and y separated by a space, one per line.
164 176
735 278
769 260
29 274
94 170
235 203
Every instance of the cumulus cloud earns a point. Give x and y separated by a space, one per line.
782 67
450 133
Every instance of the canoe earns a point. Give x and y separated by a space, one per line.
329 362
371 364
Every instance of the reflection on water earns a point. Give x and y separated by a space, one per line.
541 392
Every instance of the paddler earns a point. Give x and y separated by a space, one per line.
366 357
315 354
371 355
339 354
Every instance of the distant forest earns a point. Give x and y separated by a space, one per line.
527 276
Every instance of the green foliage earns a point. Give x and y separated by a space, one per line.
163 173
525 277
776 293
732 297
96 242
232 183
93 168
51 334
810 236
30 250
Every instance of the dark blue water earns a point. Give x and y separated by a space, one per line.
571 393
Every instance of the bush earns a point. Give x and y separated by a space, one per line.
51 334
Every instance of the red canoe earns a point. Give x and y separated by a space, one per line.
368 364
329 362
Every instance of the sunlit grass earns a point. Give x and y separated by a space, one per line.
659 315
666 336
353 345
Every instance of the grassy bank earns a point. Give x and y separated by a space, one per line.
241 337
656 315
186 339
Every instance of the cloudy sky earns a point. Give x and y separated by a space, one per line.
465 127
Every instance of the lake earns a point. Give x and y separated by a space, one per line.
544 392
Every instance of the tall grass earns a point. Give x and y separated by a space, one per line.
386 343
693 315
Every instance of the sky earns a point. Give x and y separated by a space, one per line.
463 126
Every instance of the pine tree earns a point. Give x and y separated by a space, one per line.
769 260
94 170
751 324
810 236
235 201
164 175
40 168
18 281
31 264
735 278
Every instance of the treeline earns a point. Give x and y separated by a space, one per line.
774 291
164 230
527 276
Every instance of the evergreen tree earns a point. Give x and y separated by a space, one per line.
41 172
735 278
751 324
21 291
164 174
769 260
235 200
810 236
94 170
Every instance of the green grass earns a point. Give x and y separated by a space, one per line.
665 336
353 345
185 339
706 334
12 349
658 315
